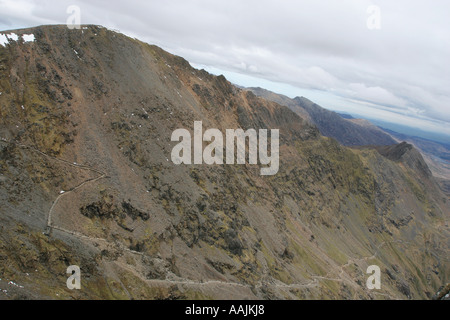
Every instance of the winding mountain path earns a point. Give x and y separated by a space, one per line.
65 192
170 277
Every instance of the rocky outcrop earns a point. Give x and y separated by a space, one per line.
407 154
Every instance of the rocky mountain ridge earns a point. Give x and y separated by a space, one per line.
330 124
86 179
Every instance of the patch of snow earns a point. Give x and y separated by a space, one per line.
28 37
3 40
76 53
113 30
14 284
13 36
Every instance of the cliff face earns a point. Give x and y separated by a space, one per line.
86 179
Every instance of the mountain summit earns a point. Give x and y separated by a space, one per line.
86 179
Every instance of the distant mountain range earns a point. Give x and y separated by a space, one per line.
345 115
330 123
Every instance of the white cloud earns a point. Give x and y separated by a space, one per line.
374 94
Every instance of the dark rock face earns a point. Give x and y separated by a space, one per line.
88 157
133 212
395 152
443 293
407 154
104 210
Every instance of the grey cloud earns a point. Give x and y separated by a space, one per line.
322 45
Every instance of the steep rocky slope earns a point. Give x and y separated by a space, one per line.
86 179
436 155
330 124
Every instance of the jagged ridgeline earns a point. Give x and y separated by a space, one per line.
86 179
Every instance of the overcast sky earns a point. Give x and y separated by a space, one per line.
321 49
